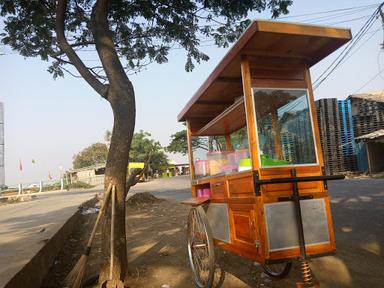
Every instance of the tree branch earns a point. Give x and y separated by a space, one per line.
134 178
83 44
105 46
71 54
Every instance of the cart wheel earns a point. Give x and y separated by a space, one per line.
277 270
200 248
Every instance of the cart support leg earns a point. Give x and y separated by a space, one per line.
305 269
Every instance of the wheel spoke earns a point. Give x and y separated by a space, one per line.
200 246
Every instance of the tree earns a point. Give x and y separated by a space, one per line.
143 147
179 143
127 35
92 155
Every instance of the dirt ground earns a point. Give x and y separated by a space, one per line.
157 253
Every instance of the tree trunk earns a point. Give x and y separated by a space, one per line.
123 105
121 96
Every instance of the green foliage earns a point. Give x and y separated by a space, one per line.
143 146
78 185
179 143
143 31
92 155
239 139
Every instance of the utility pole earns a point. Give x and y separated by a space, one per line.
382 21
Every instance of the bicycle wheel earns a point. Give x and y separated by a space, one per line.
200 248
277 270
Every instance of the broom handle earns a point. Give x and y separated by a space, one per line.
112 230
101 212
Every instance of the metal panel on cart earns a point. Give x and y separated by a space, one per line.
282 228
218 219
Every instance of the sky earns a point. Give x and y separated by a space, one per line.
48 120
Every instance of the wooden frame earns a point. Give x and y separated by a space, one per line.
259 59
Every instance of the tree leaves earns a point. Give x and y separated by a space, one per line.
92 155
143 31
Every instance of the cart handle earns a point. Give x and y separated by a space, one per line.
299 179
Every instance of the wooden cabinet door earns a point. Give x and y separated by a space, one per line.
219 188
243 228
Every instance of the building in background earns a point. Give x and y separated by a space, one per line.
350 132
2 169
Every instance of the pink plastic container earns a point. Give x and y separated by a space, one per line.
241 154
232 158
229 168
203 192
206 192
201 168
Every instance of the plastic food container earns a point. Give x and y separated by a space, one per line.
232 158
245 164
201 168
206 192
216 161
229 168
203 192
241 154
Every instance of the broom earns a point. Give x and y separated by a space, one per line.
75 277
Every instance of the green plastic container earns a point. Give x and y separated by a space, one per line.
265 161
245 164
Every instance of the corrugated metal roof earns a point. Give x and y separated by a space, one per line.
373 135
377 96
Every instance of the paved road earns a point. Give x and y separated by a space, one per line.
177 188
358 215
25 227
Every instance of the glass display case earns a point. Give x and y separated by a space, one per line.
221 155
284 127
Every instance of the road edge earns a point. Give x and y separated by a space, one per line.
34 272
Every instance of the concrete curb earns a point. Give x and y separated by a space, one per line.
33 273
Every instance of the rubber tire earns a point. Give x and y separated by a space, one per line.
280 274
209 239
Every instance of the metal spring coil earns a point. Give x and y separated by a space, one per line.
306 273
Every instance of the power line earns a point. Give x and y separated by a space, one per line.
332 67
365 42
334 16
350 20
329 11
369 81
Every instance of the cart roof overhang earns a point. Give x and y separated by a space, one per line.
276 41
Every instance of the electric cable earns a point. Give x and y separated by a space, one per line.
332 67
369 81
329 11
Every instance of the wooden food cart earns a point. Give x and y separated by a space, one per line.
258 183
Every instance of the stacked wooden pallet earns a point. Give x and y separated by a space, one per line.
368 116
330 135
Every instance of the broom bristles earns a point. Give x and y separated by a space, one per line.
75 277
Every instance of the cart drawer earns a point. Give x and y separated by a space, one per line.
218 189
241 187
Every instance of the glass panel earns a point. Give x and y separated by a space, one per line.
212 156
284 127
204 148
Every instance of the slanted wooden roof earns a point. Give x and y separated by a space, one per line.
270 41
